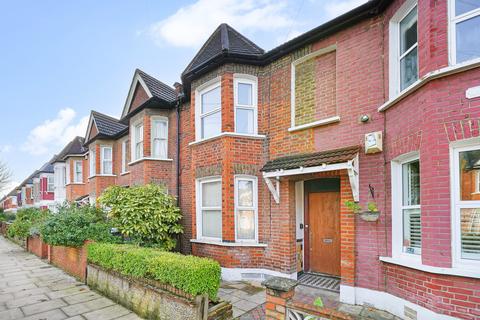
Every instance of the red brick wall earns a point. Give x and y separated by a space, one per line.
451 295
36 246
139 97
71 260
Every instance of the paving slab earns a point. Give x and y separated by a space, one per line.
31 289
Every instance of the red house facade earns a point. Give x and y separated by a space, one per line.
351 152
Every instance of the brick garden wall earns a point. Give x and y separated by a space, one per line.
36 246
72 260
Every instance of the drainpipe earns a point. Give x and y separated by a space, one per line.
179 91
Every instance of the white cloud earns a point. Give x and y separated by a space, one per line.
5 148
55 133
335 8
192 24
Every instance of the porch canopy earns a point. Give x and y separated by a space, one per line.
331 160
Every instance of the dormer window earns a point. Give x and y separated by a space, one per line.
245 93
209 111
403 48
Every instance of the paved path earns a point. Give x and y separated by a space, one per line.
31 289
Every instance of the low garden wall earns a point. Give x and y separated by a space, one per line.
72 260
3 228
36 246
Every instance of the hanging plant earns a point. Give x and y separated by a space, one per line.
370 214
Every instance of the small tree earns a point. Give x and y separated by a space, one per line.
5 175
146 214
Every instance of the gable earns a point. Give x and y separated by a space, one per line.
139 97
92 130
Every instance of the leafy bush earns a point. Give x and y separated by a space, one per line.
72 225
191 274
27 222
145 214
6 216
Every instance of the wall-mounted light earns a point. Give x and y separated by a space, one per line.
364 118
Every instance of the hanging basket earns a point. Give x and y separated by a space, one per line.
369 215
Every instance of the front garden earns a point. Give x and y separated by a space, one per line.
130 238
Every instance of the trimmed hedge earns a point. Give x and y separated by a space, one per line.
72 225
191 274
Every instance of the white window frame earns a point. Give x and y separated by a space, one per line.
67 172
253 81
208 86
398 207
457 203
394 49
124 156
103 160
453 20
92 159
152 144
199 218
75 180
50 184
254 181
134 142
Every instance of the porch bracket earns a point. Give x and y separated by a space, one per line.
274 189
352 169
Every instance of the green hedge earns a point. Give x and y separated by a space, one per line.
27 222
191 274
72 225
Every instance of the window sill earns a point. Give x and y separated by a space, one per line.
148 158
229 134
436 74
473 92
102 175
416 264
125 173
230 244
318 123
75 183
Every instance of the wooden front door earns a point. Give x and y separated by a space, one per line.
324 232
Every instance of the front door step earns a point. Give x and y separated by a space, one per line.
320 281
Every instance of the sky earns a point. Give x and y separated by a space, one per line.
61 59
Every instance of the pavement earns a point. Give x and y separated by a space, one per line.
31 289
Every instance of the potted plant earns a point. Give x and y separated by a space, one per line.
371 214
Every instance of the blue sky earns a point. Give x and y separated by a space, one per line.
61 59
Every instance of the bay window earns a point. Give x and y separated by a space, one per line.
209 208
403 48
245 95
50 184
159 137
124 156
137 147
246 208
106 160
92 162
464 30
78 174
406 209
209 111
466 208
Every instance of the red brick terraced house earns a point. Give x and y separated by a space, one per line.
264 149
380 105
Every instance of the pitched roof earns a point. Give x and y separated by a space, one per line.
46 168
224 41
312 159
157 88
106 125
74 147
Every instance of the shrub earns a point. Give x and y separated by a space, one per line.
72 225
144 213
7 216
27 222
191 274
